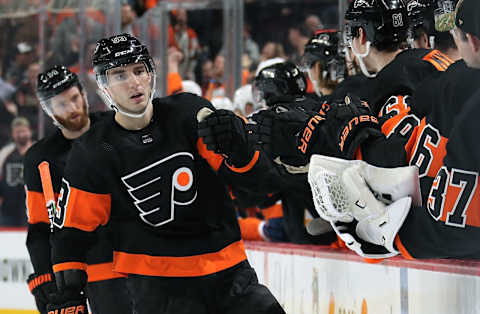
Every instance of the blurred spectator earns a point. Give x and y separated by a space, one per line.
250 47
23 57
313 23
187 41
8 110
192 87
297 37
25 98
222 102
243 101
12 192
203 74
128 15
215 86
272 50
65 40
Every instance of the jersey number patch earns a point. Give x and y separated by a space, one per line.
460 185
57 215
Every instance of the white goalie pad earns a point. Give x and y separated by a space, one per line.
329 195
341 195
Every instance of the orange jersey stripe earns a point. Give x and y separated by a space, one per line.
104 271
68 266
214 160
249 166
185 266
36 210
439 60
86 211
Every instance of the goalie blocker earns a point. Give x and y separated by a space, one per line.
365 205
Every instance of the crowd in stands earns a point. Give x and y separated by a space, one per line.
271 30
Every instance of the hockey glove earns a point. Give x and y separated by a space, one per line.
42 287
277 130
225 133
70 297
350 123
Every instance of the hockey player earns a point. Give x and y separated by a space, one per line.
148 174
448 174
63 99
323 61
376 32
281 87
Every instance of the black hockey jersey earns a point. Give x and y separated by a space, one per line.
448 225
425 140
162 192
404 74
54 149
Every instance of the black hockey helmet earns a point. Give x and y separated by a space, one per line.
384 21
119 50
278 80
54 81
323 47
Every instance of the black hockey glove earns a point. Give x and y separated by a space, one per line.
70 297
42 287
225 133
277 130
350 123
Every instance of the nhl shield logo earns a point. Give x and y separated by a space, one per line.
159 187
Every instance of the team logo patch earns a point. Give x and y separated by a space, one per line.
158 188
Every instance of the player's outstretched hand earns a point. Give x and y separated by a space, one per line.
223 132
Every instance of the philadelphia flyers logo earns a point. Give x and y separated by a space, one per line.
158 188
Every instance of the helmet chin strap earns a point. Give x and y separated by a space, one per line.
315 84
360 57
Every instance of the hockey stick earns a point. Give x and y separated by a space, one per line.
44 169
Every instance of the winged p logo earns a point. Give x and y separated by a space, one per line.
157 188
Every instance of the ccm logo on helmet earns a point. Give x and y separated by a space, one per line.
124 52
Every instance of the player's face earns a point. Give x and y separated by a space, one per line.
465 49
70 109
129 86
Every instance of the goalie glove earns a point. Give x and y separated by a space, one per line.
379 199
225 133
42 287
